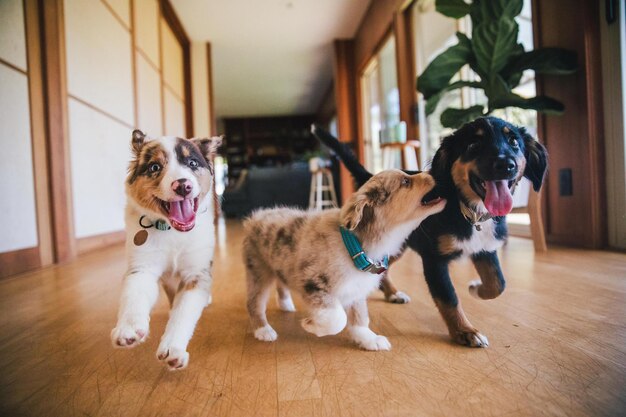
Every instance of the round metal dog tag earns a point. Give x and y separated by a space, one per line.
140 237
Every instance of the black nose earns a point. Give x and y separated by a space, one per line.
505 165
182 187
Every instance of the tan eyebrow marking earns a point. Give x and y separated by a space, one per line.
505 129
480 132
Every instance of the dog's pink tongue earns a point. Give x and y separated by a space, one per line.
182 211
498 198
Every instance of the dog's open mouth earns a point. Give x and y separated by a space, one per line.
431 198
496 194
181 213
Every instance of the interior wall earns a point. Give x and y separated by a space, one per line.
100 112
17 205
124 70
574 140
202 117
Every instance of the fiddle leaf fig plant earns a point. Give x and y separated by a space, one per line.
495 55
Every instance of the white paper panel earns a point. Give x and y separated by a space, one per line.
148 98
172 60
100 152
200 90
122 9
17 205
174 115
147 28
99 66
12 35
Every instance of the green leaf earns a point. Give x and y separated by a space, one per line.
492 10
441 70
542 104
493 42
556 61
453 8
454 118
431 103
513 79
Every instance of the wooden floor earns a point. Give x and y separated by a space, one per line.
557 347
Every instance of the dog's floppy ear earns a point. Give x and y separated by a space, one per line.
208 146
137 140
443 159
536 160
356 211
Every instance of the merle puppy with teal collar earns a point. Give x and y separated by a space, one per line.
476 169
334 258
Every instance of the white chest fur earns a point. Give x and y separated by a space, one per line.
480 240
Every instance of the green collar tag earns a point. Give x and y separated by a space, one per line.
360 259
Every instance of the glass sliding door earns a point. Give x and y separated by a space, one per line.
380 103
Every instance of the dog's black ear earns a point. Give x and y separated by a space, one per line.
536 160
208 146
137 140
443 159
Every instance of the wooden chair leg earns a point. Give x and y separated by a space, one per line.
536 222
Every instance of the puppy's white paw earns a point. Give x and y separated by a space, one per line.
376 343
369 340
286 304
471 339
399 298
266 333
473 287
127 336
175 358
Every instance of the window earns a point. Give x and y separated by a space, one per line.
434 33
381 102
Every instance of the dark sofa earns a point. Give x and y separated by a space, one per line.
286 185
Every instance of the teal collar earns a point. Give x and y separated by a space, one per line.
158 224
360 259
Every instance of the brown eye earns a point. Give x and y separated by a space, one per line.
406 182
154 168
513 142
193 163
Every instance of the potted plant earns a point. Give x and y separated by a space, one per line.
495 55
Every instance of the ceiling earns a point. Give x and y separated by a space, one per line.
270 57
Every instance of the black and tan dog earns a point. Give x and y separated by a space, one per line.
476 169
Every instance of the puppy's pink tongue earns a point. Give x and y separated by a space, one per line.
498 198
182 211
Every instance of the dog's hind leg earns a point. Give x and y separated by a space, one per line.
442 291
358 326
285 302
191 298
259 288
491 282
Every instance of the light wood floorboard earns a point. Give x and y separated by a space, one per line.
557 346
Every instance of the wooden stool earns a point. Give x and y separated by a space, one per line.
322 193
409 152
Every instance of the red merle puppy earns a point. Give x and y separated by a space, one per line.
476 170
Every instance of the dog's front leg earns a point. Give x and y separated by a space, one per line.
358 326
139 293
392 294
442 291
491 282
193 295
